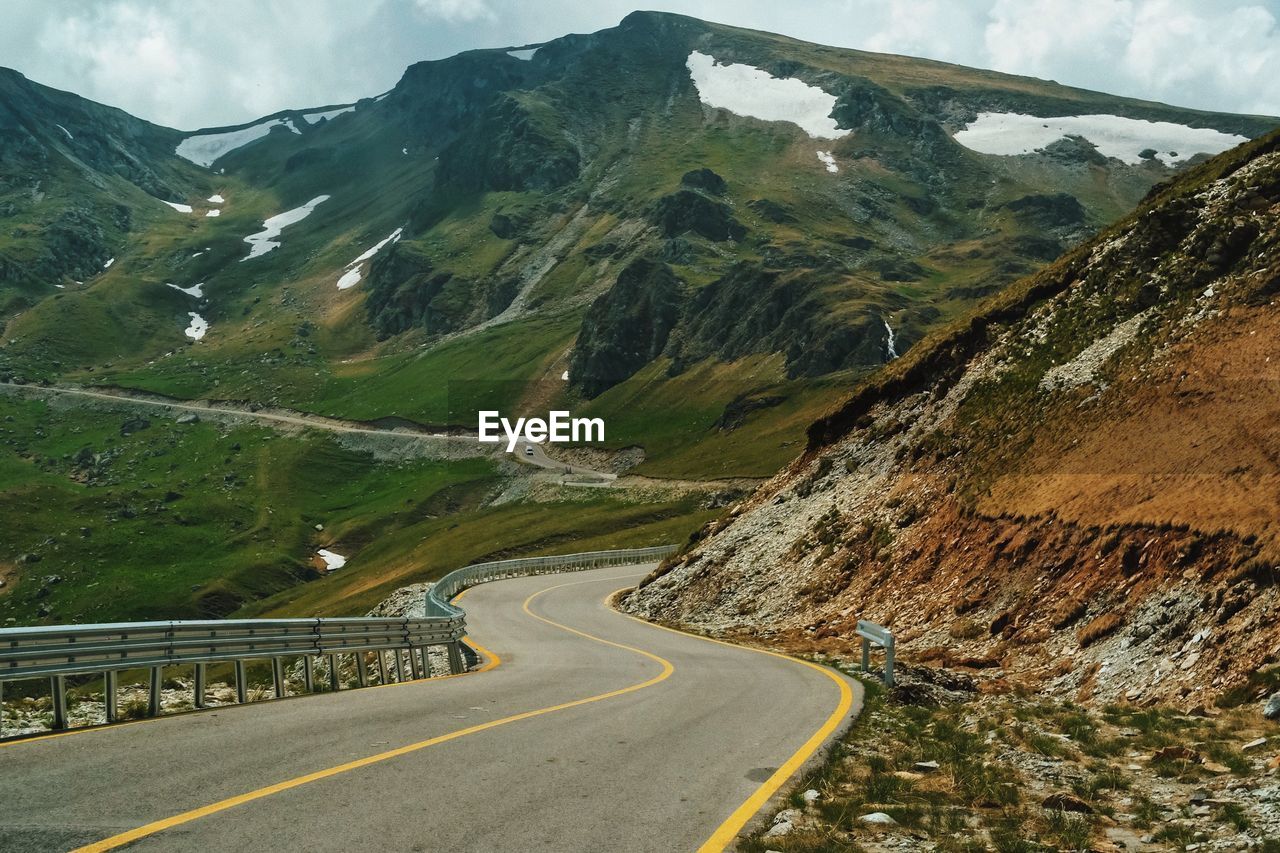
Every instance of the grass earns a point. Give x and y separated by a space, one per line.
995 772
183 521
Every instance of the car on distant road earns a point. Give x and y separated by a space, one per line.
528 450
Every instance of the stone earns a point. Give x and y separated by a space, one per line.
1216 768
925 766
188 418
1271 710
878 819
1177 753
1064 802
1254 744
811 796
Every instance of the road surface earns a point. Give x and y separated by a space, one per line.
590 731
571 474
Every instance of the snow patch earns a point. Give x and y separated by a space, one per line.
351 277
565 376
181 208
332 561
70 138
198 326
749 91
204 148
525 53
108 264
1115 136
313 118
828 161
216 199
193 290
214 212
265 240
60 286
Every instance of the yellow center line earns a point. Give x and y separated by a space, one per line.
727 832
132 835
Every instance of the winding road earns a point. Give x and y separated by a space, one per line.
573 474
586 730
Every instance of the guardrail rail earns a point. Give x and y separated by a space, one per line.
58 652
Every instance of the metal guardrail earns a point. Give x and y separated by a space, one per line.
108 649
440 596
874 635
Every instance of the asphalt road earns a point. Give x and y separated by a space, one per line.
593 732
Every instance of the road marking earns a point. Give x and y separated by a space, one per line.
727 832
132 835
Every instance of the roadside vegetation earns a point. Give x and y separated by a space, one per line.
1018 774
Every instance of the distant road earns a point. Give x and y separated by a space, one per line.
539 459
594 732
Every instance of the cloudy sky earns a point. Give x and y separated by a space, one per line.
198 63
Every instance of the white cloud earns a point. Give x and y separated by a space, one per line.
455 10
194 63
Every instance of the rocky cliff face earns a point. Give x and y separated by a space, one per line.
1076 487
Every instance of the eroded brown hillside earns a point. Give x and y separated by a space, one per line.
1077 489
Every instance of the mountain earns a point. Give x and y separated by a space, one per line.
610 201
1075 486
702 234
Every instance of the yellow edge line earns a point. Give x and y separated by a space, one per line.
727 832
128 837
492 661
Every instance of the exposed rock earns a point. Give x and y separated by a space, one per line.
187 418
705 180
1066 803
627 326
878 819
132 425
689 210
1271 708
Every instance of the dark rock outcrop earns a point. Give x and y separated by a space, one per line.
626 327
688 210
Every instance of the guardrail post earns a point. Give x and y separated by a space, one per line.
1 709
334 683
888 661
59 689
415 663
308 674
455 658
277 677
426 661
866 654
362 670
110 691
242 683
382 666
199 687
153 698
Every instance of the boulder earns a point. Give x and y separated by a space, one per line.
705 180
878 819
1271 709
1064 802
